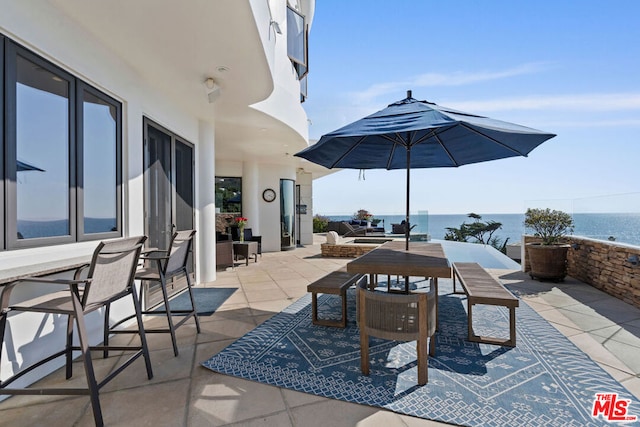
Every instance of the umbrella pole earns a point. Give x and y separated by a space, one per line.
407 227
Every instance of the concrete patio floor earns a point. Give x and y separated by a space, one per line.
182 393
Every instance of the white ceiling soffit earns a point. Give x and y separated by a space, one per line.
175 45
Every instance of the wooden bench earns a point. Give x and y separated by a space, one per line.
334 283
482 288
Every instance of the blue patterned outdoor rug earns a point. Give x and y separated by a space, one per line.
544 381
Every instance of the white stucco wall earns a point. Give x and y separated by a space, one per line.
42 29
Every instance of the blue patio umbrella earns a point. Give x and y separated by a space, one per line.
23 167
420 134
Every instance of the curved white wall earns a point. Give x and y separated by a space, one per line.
284 102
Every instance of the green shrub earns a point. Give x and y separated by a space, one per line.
550 225
320 224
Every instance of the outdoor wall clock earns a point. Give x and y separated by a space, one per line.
269 195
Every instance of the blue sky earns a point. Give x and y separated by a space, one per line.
570 67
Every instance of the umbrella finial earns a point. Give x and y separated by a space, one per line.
409 94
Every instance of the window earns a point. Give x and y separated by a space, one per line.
41 136
297 42
303 89
2 168
62 151
99 151
229 195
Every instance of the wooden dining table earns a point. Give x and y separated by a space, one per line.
423 259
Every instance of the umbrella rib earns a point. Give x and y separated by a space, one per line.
353 147
425 137
446 150
395 141
493 139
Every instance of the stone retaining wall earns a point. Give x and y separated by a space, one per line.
603 265
346 250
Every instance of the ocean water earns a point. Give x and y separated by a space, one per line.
35 229
623 227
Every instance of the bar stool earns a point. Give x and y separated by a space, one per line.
110 278
165 265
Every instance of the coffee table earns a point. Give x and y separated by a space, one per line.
245 249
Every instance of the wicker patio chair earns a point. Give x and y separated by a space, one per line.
224 253
110 277
164 266
397 317
249 237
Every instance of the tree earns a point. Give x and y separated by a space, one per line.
479 231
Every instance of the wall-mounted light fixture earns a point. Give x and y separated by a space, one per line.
275 26
633 260
213 89
575 246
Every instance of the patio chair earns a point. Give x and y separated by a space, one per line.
397 317
164 266
334 226
401 228
249 237
224 253
353 231
110 277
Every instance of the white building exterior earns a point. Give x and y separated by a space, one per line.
154 58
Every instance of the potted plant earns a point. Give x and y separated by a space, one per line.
548 258
368 217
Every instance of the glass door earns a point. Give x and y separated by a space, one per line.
287 214
168 186
158 222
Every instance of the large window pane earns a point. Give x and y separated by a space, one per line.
42 149
158 188
296 37
99 164
62 141
229 195
3 197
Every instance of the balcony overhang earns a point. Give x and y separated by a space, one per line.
174 46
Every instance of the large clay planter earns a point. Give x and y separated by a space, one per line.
547 262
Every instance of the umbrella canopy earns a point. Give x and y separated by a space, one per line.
420 134
23 166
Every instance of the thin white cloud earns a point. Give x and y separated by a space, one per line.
587 102
449 79
586 110
586 123
461 78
